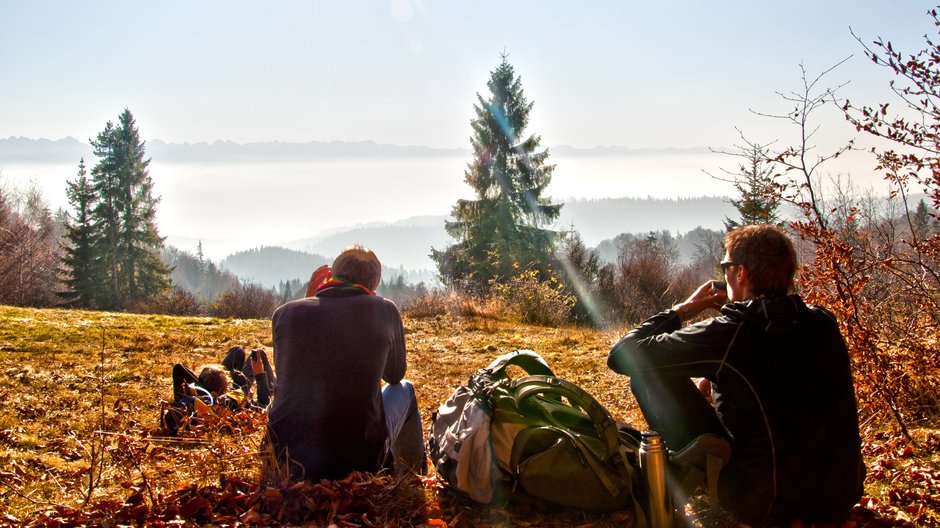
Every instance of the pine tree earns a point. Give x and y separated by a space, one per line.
754 182
143 274
200 256
503 227
125 245
580 268
106 221
81 275
920 221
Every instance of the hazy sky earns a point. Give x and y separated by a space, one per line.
629 73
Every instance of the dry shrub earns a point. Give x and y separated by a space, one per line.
245 301
536 301
29 251
888 313
643 281
176 301
450 301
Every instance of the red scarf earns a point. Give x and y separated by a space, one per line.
338 281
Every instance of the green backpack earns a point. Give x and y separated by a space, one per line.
539 433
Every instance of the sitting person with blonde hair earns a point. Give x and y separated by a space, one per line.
332 350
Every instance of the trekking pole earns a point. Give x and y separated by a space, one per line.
653 467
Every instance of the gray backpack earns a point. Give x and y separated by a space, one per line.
539 433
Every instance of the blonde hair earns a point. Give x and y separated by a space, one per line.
360 265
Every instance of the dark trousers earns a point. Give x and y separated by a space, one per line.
182 376
237 363
674 407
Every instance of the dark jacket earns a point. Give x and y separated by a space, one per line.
784 392
331 353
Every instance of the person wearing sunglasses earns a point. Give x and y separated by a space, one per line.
780 441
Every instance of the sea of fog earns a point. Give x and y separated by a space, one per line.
232 206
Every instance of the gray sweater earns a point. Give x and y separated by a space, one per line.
331 353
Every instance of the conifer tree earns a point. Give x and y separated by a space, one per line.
143 274
504 227
580 268
200 256
921 221
81 274
125 244
104 179
759 196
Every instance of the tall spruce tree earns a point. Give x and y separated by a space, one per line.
142 273
504 226
104 178
125 244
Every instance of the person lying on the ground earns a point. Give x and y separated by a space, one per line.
217 386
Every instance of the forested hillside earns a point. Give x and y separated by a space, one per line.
271 265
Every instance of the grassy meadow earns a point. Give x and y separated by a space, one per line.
82 391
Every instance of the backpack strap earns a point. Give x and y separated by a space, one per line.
554 389
528 360
539 385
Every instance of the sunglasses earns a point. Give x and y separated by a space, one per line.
724 265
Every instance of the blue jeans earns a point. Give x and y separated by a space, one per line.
403 421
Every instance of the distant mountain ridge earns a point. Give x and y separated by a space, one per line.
25 150
598 220
270 265
70 150
406 244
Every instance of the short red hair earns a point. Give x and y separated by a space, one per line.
360 265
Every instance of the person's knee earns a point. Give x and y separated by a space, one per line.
235 358
404 387
403 393
407 386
